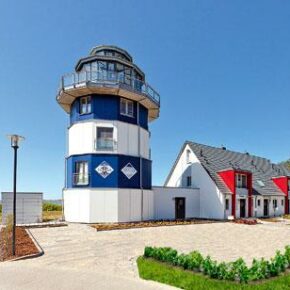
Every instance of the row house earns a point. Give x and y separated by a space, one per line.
231 184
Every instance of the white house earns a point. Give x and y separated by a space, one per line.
231 183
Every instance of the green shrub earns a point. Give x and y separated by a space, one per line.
47 206
161 254
196 260
259 269
0 208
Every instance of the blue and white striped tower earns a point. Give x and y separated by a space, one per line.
108 166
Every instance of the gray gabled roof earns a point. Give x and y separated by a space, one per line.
215 159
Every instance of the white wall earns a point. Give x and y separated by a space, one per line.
258 211
77 205
82 137
164 202
107 205
212 201
28 207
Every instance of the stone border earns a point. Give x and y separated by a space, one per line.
40 250
43 225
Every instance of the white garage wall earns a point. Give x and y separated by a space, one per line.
28 207
164 203
82 136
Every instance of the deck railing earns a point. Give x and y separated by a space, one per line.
81 179
109 78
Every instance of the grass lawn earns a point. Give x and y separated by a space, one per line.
163 273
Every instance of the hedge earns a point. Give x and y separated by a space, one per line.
231 271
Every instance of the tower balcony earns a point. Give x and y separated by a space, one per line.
107 82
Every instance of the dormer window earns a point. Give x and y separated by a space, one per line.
126 107
241 180
85 105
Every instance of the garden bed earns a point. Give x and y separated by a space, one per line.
24 244
148 224
150 269
236 271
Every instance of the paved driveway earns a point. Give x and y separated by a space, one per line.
79 256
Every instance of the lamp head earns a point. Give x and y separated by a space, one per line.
15 139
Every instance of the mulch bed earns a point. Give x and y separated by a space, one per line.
24 245
148 224
246 221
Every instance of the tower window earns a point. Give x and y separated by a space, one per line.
81 175
259 202
126 108
105 140
85 105
282 202
274 203
188 181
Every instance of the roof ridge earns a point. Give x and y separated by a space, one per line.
231 151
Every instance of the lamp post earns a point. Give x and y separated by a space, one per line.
15 139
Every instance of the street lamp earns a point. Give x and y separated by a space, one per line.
15 139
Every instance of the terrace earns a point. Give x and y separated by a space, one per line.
107 82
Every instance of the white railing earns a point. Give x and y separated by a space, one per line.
81 179
109 78
102 144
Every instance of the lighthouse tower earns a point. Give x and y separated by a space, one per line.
108 166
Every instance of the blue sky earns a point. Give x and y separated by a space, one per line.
222 69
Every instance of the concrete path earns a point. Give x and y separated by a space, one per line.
79 257
25 276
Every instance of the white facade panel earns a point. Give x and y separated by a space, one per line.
82 138
130 202
76 205
148 205
28 207
164 202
